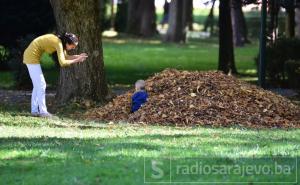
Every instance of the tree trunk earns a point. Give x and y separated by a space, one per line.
290 23
176 31
84 80
112 15
141 18
148 18
237 17
188 14
273 24
297 20
121 16
226 53
209 22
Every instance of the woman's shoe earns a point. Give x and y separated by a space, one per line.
35 114
45 115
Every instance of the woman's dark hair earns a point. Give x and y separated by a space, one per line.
68 38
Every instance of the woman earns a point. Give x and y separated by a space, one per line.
48 43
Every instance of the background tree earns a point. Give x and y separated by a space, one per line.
188 14
85 80
104 16
274 7
166 8
141 18
290 22
297 19
239 26
210 20
176 31
226 52
121 15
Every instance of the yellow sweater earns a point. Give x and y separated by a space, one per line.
48 43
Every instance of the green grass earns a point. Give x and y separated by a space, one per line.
127 61
66 151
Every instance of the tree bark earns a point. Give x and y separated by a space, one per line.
290 23
176 31
209 22
112 15
84 80
226 52
141 18
121 16
148 18
188 14
297 20
273 24
239 26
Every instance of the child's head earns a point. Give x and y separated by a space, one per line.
140 85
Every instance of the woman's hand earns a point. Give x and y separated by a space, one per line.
83 54
77 58
82 57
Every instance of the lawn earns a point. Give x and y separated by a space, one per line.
68 151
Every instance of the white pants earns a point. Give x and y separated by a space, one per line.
38 99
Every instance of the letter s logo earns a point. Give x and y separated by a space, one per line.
159 173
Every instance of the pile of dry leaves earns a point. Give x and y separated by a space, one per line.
202 98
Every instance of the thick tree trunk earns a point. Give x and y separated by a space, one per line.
226 53
188 14
236 20
297 20
141 18
84 80
176 31
290 23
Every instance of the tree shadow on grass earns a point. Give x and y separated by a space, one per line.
104 161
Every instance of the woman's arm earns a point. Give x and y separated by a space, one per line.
72 57
64 60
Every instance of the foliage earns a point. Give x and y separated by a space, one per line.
276 55
3 58
292 68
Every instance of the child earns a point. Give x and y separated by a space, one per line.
140 96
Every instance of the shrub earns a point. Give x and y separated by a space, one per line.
3 58
276 56
292 68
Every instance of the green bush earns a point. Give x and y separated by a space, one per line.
3 58
292 68
276 56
